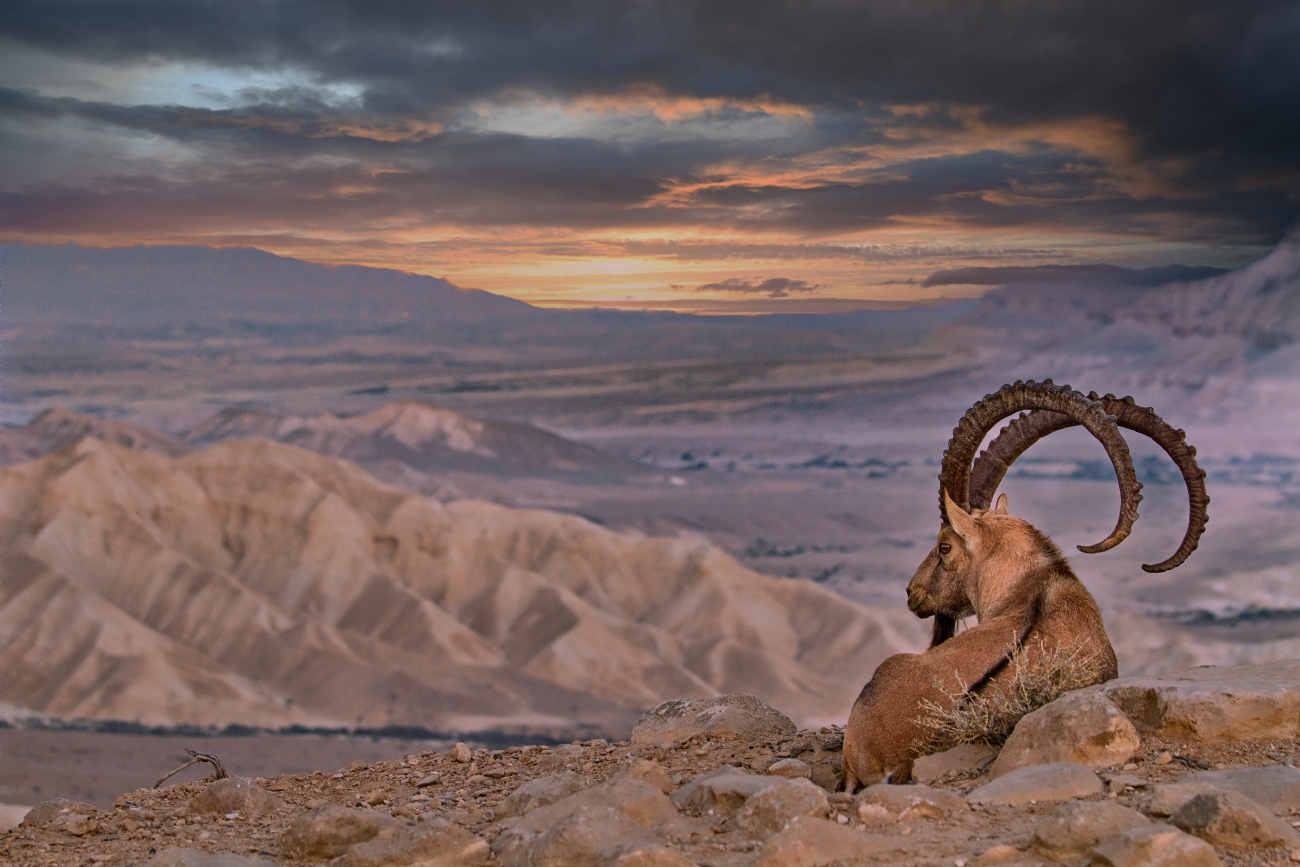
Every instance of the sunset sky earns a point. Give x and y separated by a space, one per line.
704 156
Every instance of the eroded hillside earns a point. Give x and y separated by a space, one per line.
258 583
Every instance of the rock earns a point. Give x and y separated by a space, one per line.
1119 782
176 857
637 802
647 771
46 811
816 842
562 755
1058 781
429 780
653 856
773 808
235 795
1232 819
1083 727
724 791
1212 704
429 844
1079 825
593 836
963 757
1277 788
673 723
539 793
1154 846
790 768
76 824
460 752
885 803
1003 856
328 831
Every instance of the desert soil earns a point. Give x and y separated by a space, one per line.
145 821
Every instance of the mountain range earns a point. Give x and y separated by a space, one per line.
259 583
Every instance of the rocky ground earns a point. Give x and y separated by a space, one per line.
1190 769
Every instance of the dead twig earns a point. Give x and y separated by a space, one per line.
219 773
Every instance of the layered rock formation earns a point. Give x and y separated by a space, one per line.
258 583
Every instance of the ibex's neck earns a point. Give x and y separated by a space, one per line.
1013 573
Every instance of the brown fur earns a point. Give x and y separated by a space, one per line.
1020 588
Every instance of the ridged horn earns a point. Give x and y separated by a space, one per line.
1028 429
955 473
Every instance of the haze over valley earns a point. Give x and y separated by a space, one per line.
549 529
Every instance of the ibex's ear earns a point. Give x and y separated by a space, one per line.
1001 507
958 518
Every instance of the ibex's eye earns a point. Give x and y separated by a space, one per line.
944 548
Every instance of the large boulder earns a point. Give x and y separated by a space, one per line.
1083 727
1277 788
740 717
1059 781
1232 819
1212 704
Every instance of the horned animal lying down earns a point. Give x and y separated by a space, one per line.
1030 607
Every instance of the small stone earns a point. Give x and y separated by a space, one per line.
375 797
76 824
433 843
177 857
1082 727
429 780
737 716
1164 758
1079 825
774 807
647 771
812 842
358 765
790 768
1058 781
883 802
1154 846
460 752
724 791
130 825
1232 819
235 794
328 831
1295 854
539 793
963 757
841 819
996 855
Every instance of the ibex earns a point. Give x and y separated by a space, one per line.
1008 574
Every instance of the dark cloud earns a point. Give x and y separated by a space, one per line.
772 287
1103 275
1175 121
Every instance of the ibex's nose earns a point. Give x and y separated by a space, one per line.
916 599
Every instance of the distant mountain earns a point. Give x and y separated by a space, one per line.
259 583
57 427
388 441
425 438
1204 341
206 286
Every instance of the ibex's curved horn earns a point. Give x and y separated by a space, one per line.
955 473
1026 430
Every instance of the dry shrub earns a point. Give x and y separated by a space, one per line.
987 717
